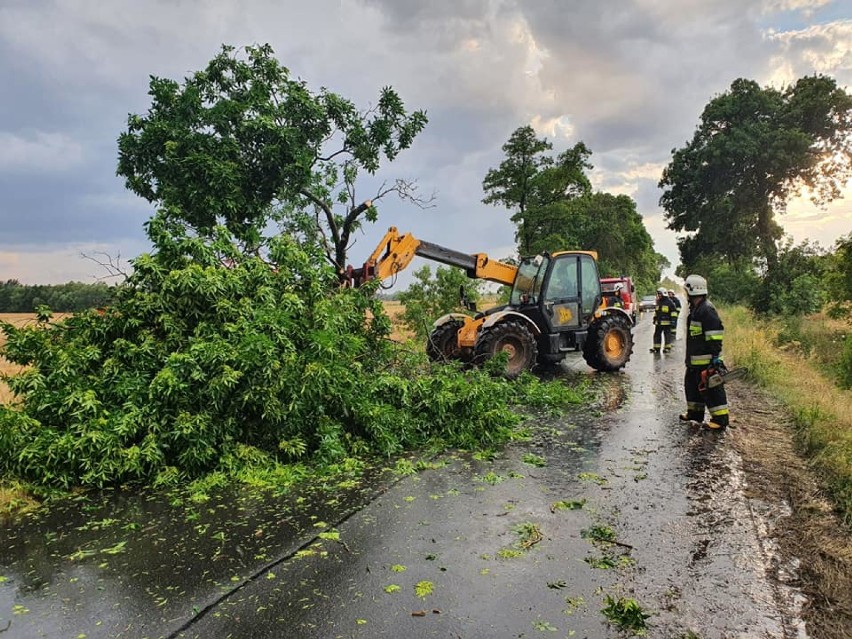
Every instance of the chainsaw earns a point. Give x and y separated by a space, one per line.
718 375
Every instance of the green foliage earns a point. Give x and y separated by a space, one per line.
428 298
241 138
608 224
625 614
729 283
844 369
528 179
555 209
838 274
71 297
198 367
754 148
793 284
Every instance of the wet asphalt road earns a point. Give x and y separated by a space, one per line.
614 501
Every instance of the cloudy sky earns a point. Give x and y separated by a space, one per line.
627 77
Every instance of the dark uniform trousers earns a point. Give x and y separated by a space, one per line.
663 320
675 304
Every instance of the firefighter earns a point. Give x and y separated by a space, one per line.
704 333
675 312
615 300
663 322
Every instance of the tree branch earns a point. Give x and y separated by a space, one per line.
111 264
329 215
407 191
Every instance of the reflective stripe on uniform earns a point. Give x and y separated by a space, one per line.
715 411
700 360
695 329
714 335
694 406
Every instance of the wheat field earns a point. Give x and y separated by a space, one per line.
6 367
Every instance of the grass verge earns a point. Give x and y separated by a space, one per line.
822 411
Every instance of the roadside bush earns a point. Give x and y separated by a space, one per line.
844 369
428 298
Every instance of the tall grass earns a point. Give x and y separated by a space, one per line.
822 410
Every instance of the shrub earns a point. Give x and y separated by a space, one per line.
427 298
844 373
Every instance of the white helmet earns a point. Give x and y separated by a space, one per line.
671 292
617 288
695 285
661 291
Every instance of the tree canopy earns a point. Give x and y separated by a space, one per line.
225 350
753 149
555 208
528 179
241 139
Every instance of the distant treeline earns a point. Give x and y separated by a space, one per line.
61 298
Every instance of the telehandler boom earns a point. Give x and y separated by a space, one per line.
554 308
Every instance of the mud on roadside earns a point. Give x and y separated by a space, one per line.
815 545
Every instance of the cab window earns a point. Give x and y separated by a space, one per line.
590 284
563 280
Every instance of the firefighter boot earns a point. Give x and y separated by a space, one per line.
717 422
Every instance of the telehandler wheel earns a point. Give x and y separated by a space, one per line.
442 343
609 343
512 338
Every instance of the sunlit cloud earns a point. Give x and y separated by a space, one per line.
804 220
823 48
559 127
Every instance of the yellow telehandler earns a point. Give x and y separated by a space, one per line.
555 307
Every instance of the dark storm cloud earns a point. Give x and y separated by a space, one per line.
74 207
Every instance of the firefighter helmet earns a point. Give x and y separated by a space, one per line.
661 291
695 285
617 288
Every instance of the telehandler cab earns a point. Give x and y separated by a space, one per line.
555 307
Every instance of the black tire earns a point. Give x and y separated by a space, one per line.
442 343
511 337
609 343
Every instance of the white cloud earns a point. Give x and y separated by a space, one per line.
823 48
39 152
805 6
